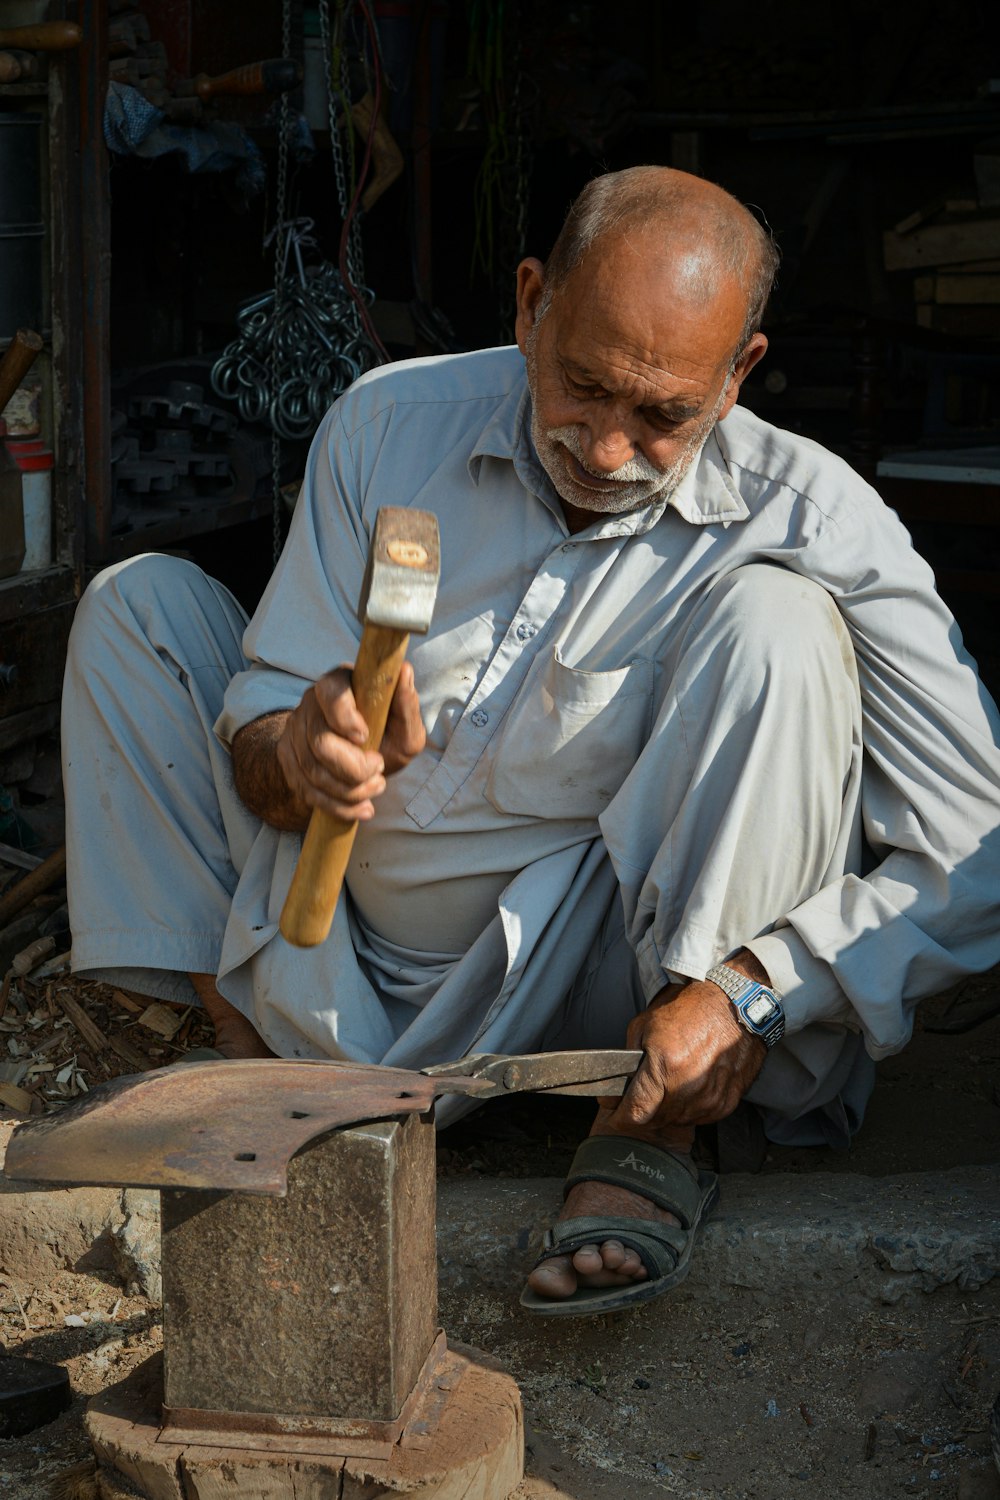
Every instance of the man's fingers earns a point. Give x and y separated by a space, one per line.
332 762
339 761
322 752
405 735
643 1098
326 771
698 1061
335 699
323 787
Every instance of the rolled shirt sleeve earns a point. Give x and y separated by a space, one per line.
307 621
929 912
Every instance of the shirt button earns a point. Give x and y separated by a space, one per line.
525 631
566 547
480 718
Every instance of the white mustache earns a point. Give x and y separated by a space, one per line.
635 470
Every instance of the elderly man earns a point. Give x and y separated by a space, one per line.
692 755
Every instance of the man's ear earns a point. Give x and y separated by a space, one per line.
752 354
530 286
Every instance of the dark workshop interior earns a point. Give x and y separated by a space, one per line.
421 147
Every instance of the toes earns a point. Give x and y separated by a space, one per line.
555 1277
608 1264
615 1257
632 1266
588 1260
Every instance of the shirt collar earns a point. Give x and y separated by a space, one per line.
706 495
500 438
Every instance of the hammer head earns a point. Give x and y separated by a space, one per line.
401 578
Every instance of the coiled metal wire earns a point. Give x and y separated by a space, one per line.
298 348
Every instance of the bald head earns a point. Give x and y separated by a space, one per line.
704 237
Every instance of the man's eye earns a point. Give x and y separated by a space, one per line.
662 422
592 392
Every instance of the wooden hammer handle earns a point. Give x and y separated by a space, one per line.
17 361
326 849
46 36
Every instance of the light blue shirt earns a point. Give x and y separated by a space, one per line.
540 682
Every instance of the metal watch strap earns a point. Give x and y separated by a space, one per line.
741 989
730 980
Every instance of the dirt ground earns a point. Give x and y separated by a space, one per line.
755 1402
750 1397
741 1398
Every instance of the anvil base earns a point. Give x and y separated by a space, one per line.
463 1441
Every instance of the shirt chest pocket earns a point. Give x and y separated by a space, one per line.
570 739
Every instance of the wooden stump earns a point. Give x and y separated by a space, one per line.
475 1450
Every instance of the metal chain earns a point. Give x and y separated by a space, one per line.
355 254
280 255
310 341
354 268
326 37
522 165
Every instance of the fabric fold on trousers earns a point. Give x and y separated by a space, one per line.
553 959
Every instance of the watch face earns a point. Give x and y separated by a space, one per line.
760 1010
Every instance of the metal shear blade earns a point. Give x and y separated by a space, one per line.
590 1073
234 1126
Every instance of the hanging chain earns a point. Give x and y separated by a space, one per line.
522 165
280 254
334 90
355 257
336 149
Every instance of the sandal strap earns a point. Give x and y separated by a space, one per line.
658 1245
669 1181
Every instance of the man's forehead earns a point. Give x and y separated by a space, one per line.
670 307
681 263
646 375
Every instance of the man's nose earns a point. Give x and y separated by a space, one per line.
609 441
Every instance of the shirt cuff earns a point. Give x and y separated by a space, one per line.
250 695
806 985
654 975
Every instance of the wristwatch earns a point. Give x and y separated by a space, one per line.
757 1007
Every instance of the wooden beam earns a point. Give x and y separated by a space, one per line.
941 245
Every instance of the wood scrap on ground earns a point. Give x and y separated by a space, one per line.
61 1035
33 884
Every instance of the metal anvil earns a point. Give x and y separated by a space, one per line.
299 1269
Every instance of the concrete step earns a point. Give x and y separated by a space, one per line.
872 1239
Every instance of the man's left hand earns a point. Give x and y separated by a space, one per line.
699 1060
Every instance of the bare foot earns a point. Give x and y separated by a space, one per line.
609 1263
235 1036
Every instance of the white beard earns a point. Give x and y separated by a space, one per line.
636 482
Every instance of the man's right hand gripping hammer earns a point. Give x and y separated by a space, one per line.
397 599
